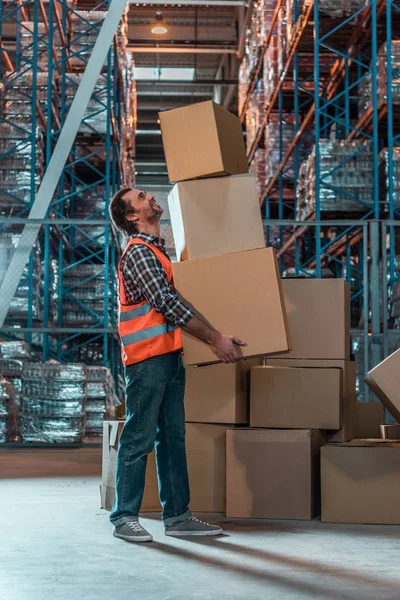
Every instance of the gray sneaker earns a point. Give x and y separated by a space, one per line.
192 526
132 531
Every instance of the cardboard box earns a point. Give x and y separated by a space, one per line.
296 398
369 416
219 393
384 381
202 140
389 432
237 294
272 474
318 313
205 448
360 482
347 431
111 434
208 219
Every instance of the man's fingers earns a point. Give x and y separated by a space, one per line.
238 341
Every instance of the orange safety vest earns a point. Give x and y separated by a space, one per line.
143 331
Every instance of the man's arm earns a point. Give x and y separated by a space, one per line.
143 269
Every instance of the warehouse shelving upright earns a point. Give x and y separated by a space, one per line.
335 99
78 250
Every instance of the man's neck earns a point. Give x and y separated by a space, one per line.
150 229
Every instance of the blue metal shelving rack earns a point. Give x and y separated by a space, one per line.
324 102
77 245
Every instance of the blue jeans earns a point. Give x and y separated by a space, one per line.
155 415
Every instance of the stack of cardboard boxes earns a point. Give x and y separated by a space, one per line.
298 402
226 272
261 432
361 479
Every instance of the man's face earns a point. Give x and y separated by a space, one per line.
145 207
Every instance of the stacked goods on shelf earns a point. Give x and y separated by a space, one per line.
392 61
270 72
257 167
85 27
278 136
215 240
8 412
255 113
348 188
84 295
35 48
95 118
53 402
296 401
92 205
360 478
28 298
12 357
128 104
101 399
384 178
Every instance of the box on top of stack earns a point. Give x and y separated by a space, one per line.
218 233
202 140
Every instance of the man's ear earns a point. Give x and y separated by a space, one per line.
132 216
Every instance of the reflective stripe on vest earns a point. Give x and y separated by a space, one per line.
134 313
146 334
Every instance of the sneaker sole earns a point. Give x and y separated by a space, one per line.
130 538
190 533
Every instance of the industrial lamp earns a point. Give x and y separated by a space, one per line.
159 27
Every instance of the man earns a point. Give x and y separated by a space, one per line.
150 322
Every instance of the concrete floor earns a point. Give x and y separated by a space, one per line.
56 543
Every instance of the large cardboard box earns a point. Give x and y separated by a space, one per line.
347 431
202 140
219 393
361 482
111 434
369 416
384 381
296 398
208 219
237 294
272 474
318 313
205 448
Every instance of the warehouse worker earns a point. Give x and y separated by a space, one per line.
150 321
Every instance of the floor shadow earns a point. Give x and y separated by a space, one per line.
297 563
310 590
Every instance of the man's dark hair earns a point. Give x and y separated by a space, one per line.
118 212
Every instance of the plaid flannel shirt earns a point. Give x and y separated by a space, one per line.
145 279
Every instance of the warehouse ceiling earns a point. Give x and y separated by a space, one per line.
203 37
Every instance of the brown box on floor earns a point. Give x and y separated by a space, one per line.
205 448
360 482
296 398
219 393
347 431
111 434
369 416
318 314
389 432
272 474
208 219
202 140
384 381
238 294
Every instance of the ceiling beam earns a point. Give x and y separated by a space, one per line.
190 3
180 50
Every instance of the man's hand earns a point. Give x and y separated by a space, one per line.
225 347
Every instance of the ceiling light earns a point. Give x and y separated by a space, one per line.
159 28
